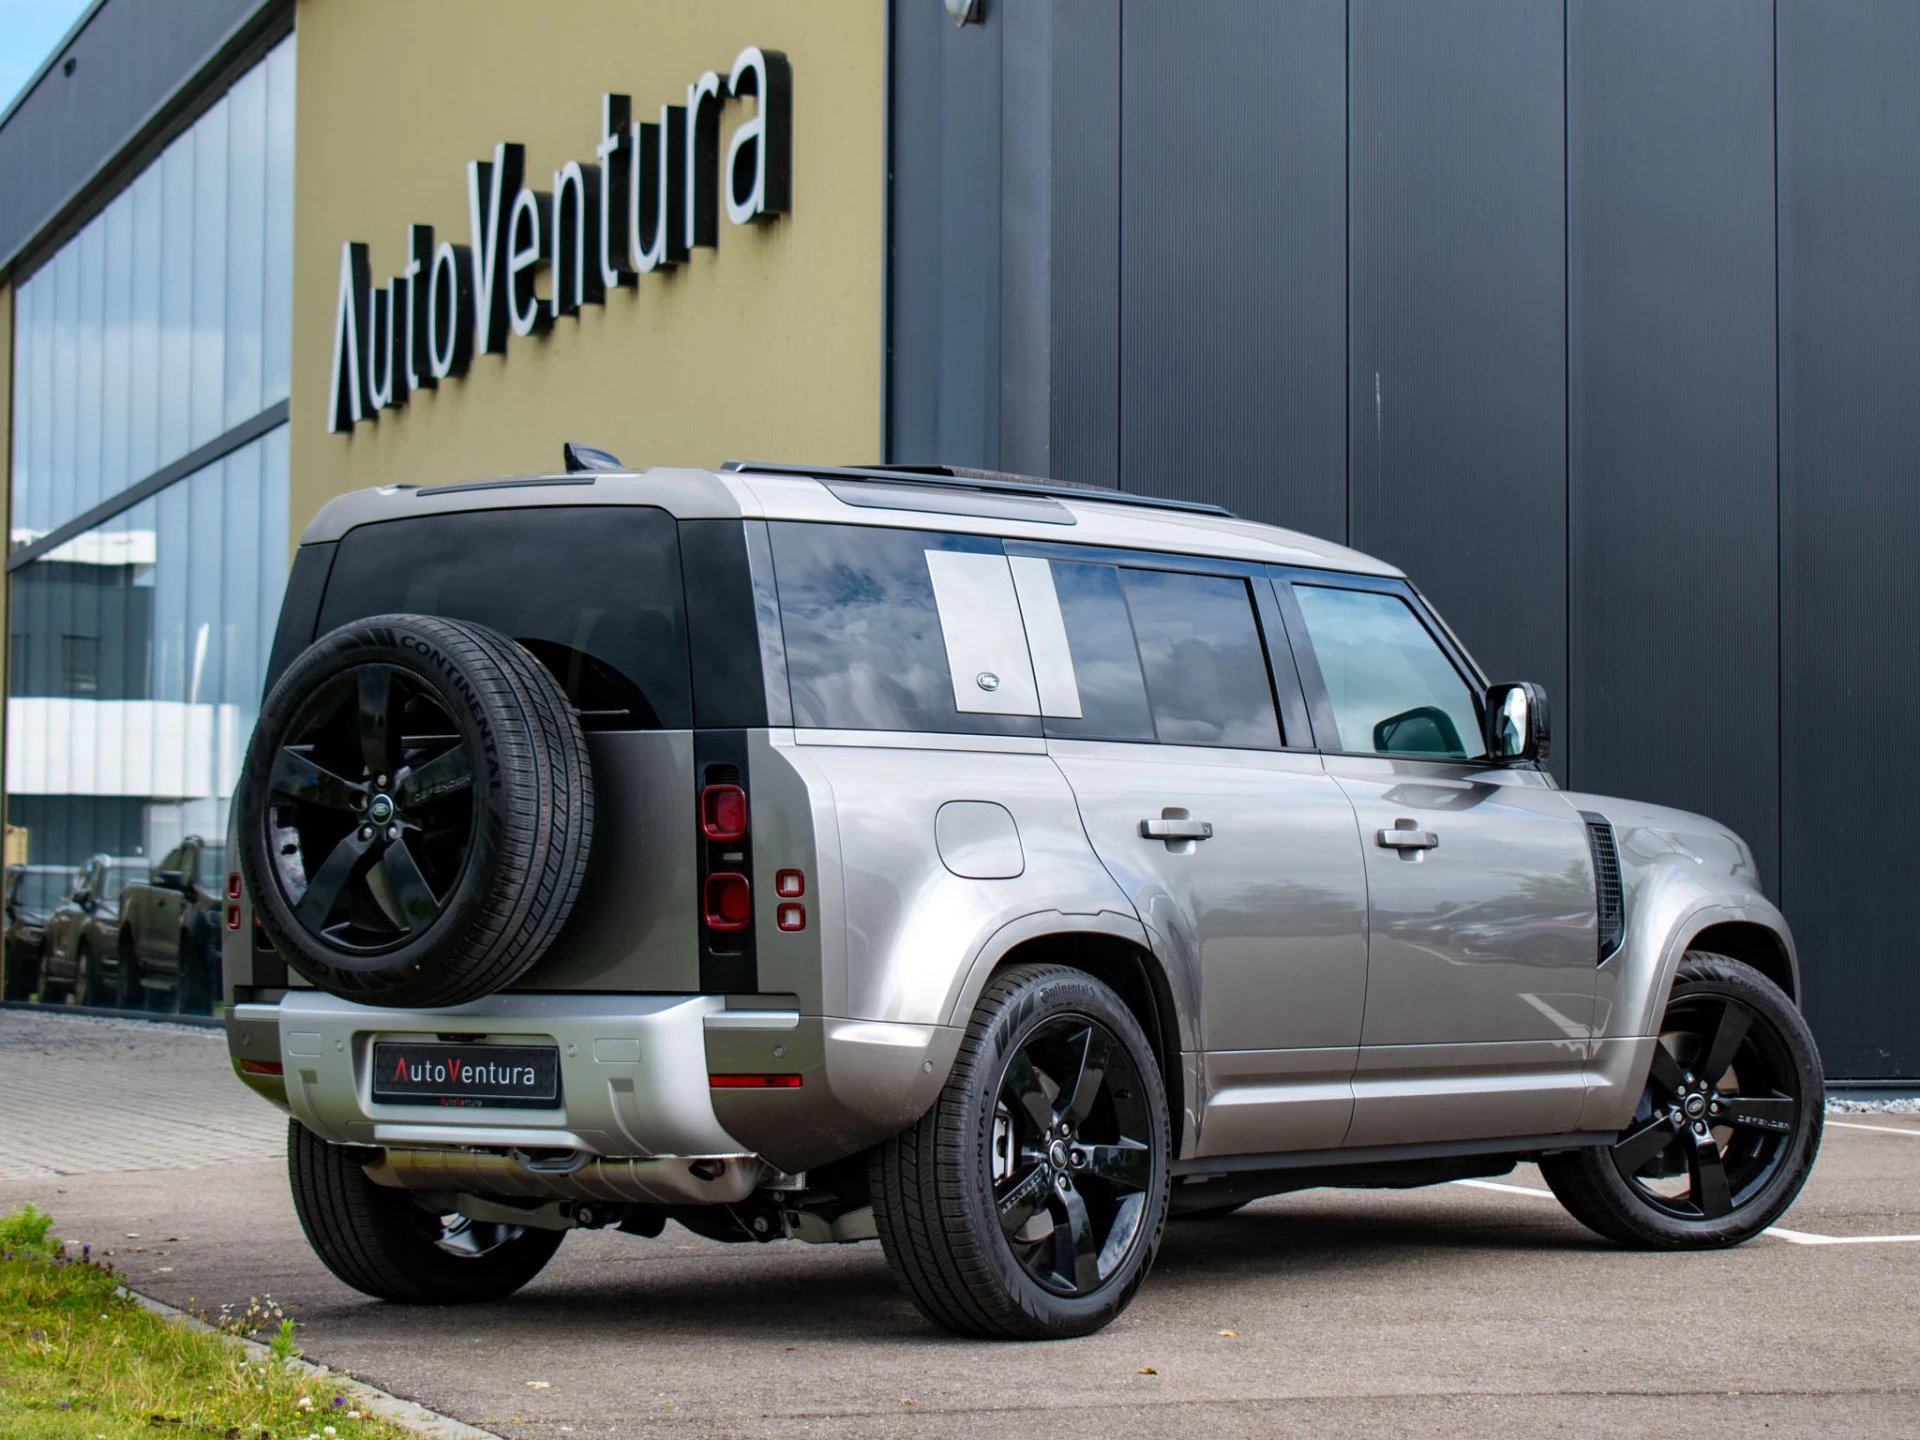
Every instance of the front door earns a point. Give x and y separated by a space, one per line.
1239 854
1483 934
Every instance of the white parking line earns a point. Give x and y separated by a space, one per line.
1801 1237
1794 1237
1876 1129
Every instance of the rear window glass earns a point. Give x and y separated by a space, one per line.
592 590
1106 667
862 627
1200 648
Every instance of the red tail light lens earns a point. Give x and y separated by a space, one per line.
262 1067
233 885
754 1082
791 917
723 812
729 902
233 917
790 884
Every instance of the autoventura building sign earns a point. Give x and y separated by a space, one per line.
651 195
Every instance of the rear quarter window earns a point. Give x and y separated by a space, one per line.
593 590
862 630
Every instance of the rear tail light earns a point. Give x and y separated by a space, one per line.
723 812
233 885
262 1067
754 1082
791 917
233 917
728 901
790 884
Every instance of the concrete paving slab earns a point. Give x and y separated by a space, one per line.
1453 1311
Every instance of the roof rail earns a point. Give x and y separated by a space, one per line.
963 478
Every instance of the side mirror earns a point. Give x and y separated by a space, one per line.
169 879
1518 723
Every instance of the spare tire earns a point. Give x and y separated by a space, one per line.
415 811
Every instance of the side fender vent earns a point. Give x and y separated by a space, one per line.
1606 884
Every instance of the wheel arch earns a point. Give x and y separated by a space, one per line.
1129 969
1752 944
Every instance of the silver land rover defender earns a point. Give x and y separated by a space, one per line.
986 865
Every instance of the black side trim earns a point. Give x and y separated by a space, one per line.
723 633
1372 1154
1609 898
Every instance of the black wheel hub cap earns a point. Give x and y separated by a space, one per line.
1072 1155
1720 1112
370 811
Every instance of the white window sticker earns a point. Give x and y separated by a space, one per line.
980 622
1046 637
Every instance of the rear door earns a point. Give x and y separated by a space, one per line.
1484 937
1199 789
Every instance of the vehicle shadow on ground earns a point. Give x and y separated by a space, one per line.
807 1294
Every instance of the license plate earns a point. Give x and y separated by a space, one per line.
413 1072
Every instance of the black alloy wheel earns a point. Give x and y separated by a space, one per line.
1072 1159
370 810
1726 1129
1719 1112
1028 1203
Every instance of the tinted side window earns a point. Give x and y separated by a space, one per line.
1106 666
592 590
1200 649
861 624
1393 690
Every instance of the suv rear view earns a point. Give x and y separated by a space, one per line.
963 860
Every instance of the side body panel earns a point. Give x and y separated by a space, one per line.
1260 927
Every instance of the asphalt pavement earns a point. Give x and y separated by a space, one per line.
1470 1309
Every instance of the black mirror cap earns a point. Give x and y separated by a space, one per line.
1537 742
580 457
170 879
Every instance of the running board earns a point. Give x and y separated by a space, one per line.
1515 1145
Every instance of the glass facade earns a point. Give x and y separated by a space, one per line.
137 647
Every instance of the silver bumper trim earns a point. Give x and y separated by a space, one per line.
633 1073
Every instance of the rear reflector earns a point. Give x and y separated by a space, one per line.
754 1082
262 1067
233 885
233 917
729 901
723 812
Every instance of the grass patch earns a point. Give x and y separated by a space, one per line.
79 1361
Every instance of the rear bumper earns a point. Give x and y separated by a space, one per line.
633 1082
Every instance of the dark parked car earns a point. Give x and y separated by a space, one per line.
33 893
82 950
168 946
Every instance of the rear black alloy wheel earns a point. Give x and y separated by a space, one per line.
1072 1160
1029 1202
416 811
371 805
387 1244
1727 1129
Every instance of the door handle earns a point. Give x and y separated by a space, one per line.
1176 828
1406 835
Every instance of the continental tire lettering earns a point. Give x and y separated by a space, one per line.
464 687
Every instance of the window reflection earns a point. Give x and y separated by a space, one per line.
136 655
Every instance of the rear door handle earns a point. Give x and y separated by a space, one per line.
1406 835
1176 829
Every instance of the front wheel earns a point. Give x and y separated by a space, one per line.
1029 1201
385 1244
1728 1128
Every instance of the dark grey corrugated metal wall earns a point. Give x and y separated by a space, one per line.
1601 316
